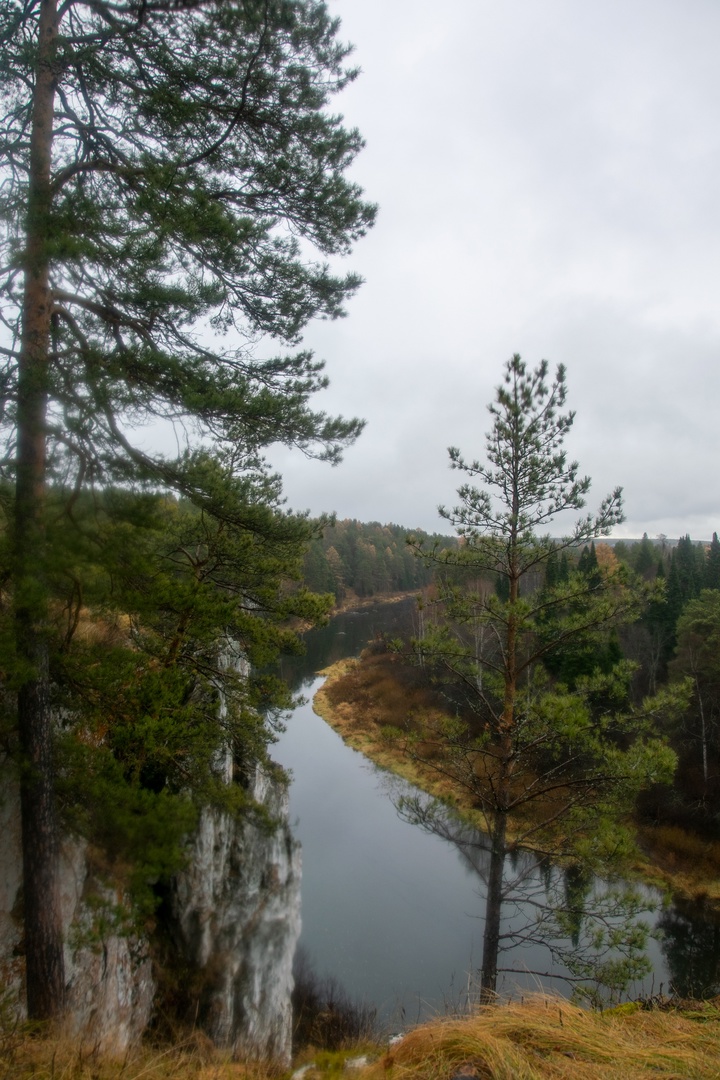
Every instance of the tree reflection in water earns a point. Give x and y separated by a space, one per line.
691 946
587 932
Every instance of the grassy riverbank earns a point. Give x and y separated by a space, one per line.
361 700
547 1038
352 602
361 707
544 1038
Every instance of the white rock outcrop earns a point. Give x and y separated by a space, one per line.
109 982
234 918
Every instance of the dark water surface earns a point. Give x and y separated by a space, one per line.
393 912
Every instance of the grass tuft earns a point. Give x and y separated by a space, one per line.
547 1037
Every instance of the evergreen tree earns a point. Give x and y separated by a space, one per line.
684 582
658 622
675 592
697 656
552 569
643 557
587 563
169 175
157 609
712 564
621 551
690 563
532 744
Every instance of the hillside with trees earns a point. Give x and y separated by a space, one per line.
660 627
674 640
655 640
355 559
666 631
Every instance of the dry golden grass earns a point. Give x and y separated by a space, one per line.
690 864
91 628
23 1057
544 1038
548 1038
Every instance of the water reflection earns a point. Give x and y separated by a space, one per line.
691 947
347 635
587 934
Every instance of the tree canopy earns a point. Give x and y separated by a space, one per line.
168 201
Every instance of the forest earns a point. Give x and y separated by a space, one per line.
351 559
570 697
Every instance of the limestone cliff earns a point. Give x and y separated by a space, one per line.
236 919
234 915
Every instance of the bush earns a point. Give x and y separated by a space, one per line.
324 1015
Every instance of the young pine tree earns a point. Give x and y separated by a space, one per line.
541 764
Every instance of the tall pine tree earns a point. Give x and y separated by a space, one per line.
535 753
172 184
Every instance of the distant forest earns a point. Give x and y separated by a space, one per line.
365 559
353 559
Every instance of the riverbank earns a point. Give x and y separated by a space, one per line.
361 726
677 862
351 602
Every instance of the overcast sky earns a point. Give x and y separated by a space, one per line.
548 175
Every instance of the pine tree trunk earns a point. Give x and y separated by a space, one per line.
45 975
498 851
493 910
40 842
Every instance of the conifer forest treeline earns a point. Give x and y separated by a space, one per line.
175 191
353 558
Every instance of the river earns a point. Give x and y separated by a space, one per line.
394 913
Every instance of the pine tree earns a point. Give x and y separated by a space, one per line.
712 564
159 601
697 656
684 582
532 744
552 569
169 176
643 557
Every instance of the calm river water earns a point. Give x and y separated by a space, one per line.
393 912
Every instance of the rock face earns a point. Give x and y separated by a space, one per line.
236 921
109 981
234 916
